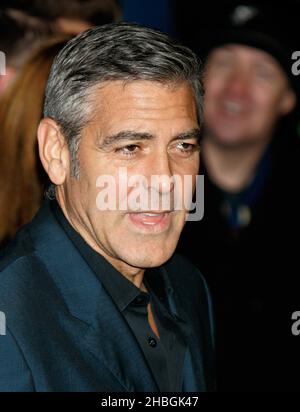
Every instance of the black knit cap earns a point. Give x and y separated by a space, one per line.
271 28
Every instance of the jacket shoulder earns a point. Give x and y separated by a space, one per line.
21 244
24 280
16 251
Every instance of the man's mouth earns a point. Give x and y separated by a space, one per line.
233 107
159 220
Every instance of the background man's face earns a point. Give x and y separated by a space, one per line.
245 91
136 126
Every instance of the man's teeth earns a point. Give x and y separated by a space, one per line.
233 107
152 214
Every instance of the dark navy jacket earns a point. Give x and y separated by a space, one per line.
63 331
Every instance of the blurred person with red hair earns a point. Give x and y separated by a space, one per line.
22 179
34 31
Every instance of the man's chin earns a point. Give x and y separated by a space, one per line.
149 259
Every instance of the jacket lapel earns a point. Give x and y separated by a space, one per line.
111 340
193 367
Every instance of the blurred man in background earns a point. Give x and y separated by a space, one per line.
250 159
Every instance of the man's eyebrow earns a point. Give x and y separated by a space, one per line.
108 141
190 134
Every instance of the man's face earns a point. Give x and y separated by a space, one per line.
148 129
246 93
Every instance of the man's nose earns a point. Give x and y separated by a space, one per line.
160 176
238 83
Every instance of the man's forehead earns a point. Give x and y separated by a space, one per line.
120 100
243 49
120 87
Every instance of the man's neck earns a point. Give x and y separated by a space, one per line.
231 168
133 274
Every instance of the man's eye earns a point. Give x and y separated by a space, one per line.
220 63
128 150
187 147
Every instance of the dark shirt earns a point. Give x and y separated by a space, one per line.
164 355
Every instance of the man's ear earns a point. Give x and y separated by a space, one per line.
53 150
288 102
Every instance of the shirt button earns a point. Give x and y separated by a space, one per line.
142 299
152 342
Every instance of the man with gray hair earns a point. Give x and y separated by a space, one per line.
94 297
